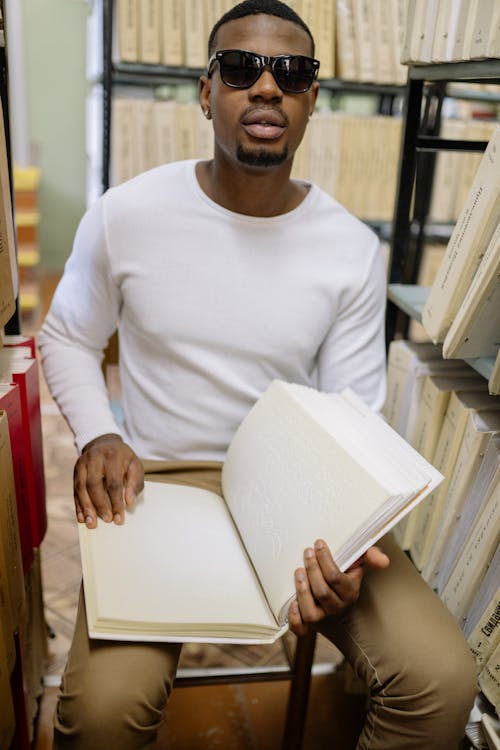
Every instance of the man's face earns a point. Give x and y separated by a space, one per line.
261 126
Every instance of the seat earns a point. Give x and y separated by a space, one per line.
299 660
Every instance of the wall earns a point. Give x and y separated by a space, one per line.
55 53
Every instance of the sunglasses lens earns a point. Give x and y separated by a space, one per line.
295 74
239 69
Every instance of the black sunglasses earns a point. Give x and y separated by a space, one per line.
239 69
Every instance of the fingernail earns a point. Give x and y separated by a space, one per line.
117 518
300 576
89 520
309 553
80 517
319 544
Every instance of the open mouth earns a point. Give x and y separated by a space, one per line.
265 124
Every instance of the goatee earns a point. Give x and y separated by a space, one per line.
261 158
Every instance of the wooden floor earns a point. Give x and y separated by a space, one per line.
239 717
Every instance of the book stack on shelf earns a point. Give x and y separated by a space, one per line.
451 31
23 529
26 182
356 40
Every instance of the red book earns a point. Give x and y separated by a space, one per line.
10 402
24 372
11 341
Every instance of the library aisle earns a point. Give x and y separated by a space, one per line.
232 717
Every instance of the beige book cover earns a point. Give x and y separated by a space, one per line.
494 378
302 465
432 255
127 16
163 131
486 635
123 151
474 558
172 32
427 524
443 21
346 41
410 431
464 13
402 359
480 29
186 117
195 52
364 43
475 330
149 32
428 30
399 10
9 528
380 15
471 235
475 130
325 37
493 43
479 428
143 143
489 679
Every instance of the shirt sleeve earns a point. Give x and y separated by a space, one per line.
83 315
353 353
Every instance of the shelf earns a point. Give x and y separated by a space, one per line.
137 74
475 71
411 298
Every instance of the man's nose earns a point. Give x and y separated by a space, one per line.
265 86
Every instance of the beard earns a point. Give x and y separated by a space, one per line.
261 158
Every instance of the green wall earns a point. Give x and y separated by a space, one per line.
55 52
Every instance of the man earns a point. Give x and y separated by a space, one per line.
221 276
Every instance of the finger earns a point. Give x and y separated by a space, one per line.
83 504
310 611
134 482
344 585
295 622
324 595
97 491
113 484
376 558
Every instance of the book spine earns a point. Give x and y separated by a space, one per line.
127 17
486 635
149 32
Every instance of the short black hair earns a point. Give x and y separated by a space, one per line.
253 7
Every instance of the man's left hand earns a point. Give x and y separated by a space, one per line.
322 590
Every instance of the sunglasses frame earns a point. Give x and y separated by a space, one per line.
265 61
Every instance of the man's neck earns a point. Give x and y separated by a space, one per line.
266 191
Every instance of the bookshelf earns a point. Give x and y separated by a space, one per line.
427 86
126 74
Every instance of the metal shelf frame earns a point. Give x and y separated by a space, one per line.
420 143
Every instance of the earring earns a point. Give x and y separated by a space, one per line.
207 114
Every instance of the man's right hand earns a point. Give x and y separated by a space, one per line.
107 478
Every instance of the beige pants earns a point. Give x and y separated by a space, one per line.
399 638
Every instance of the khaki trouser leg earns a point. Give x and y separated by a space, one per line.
403 643
113 693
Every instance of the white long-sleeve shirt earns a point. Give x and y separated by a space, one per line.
211 306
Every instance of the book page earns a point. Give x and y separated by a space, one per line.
287 481
176 560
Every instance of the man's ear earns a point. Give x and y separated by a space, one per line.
204 87
314 96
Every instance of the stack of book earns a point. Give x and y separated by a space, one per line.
443 408
23 523
356 40
451 30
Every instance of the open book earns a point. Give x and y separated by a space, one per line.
188 565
